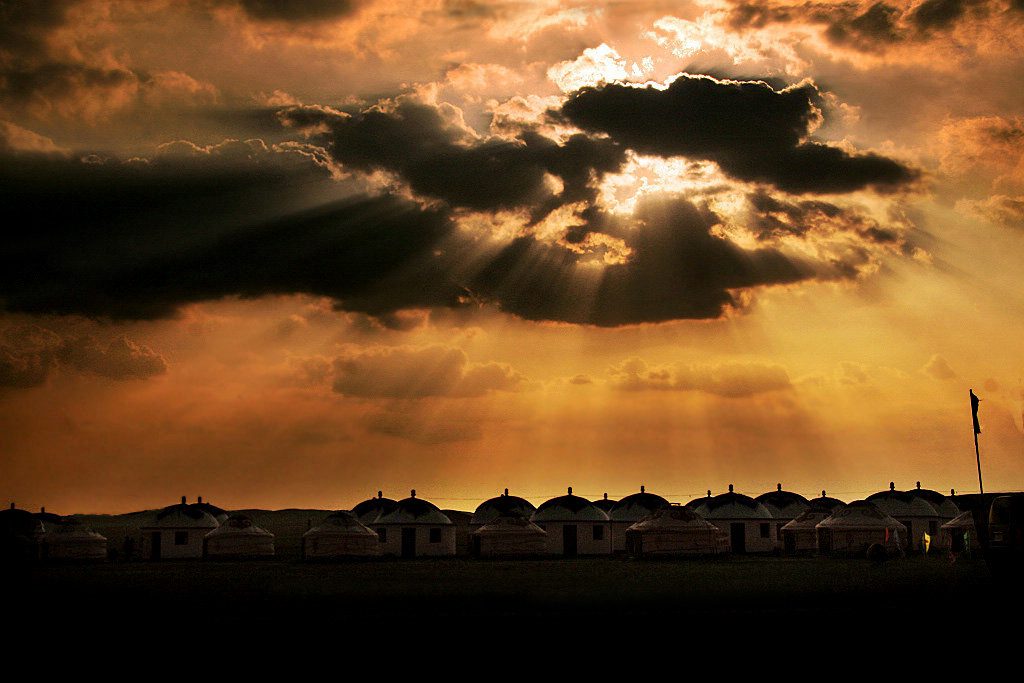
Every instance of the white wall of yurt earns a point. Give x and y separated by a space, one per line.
742 517
238 537
851 530
509 535
340 534
630 510
415 528
177 532
675 530
912 511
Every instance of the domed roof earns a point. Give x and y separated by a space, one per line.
605 503
217 513
491 509
184 515
826 502
510 524
413 510
965 520
783 504
238 525
731 505
568 508
808 519
902 503
341 522
636 506
943 504
672 517
860 514
370 509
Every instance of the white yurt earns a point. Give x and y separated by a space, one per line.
491 509
914 512
177 531
370 509
750 524
630 510
20 533
825 501
509 535
341 534
415 528
943 504
574 525
70 539
238 537
785 506
854 528
675 530
799 535
959 534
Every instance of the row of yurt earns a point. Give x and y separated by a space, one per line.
193 530
921 511
43 535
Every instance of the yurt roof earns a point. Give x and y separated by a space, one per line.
212 510
492 508
341 522
568 508
371 508
783 503
47 518
963 520
902 503
636 506
605 503
943 504
239 525
808 519
860 514
184 515
510 524
413 510
826 502
20 522
731 505
672 517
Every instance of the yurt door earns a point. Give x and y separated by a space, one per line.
569 540
738 535
408 542
154 546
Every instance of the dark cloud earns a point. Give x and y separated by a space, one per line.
753 132
24 24
138 240
876 25
439 157
941 14
771 216
30 354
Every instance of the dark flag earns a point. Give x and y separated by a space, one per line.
974 411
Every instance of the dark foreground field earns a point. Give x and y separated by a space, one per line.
461 590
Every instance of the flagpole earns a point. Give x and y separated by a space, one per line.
977 429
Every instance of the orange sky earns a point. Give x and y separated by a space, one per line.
286 254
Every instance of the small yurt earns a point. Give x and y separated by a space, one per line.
944 505
914 512
799 535
856 527
340 535
509 535
369 510
959 534
178 531
750 524
492 508
628 512
824 501
574 525
70 539
675 530
785 506
238 537
20 533
605 503
415 528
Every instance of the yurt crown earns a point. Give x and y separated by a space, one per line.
570 490
892 486
183 500
412 494
730 488
780 486
641 488
506 492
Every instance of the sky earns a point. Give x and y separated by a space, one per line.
290 253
